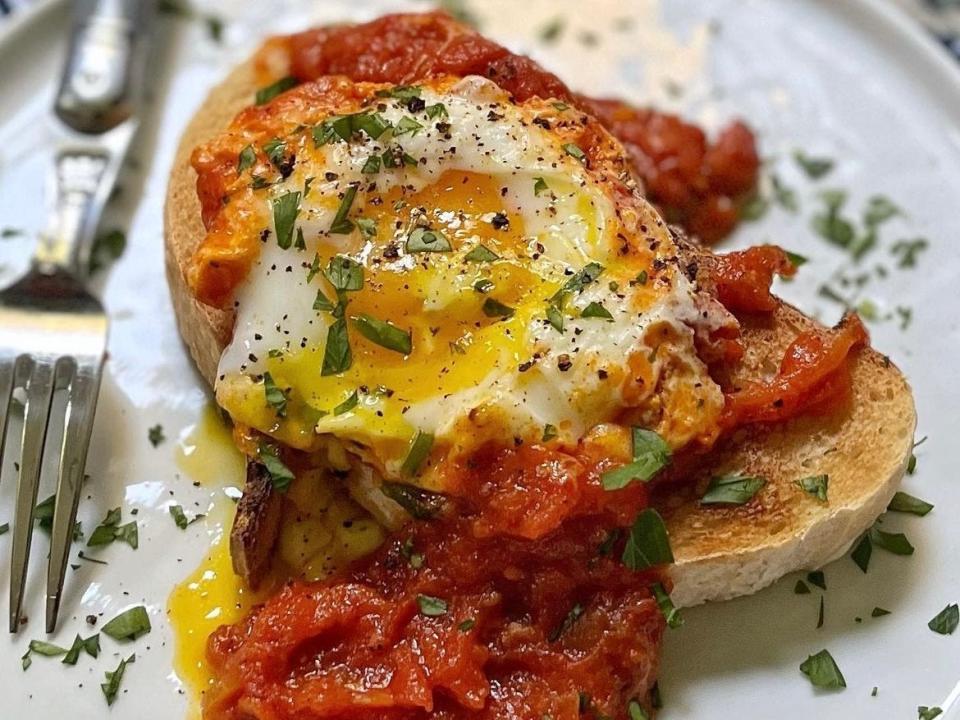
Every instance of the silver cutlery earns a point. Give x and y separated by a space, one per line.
53 332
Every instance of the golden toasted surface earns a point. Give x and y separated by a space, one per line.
721 552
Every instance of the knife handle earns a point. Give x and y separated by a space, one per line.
103 73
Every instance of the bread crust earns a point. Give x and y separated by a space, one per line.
721 552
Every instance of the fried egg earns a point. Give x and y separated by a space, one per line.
447 268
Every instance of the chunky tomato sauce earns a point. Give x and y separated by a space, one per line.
512 603
695 183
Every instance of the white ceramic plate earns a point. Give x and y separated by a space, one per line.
853 81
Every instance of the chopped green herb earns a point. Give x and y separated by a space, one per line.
106 248
90 645
431 606
575 152
801 588
112 686
155 435
578 282
754 208
280 475
246 159
274 150
436 110
373 124
110 530
371 166
383 334
418 453
276 397
596 310
815 485
179 517
945 623
341 225
484 285
421 504
814 167
539 186
647 542
879 612
337 356
732 490
495 308
394 157
549 432
670 613
322 302
286 207
795 259
422 240
568 622
268 93
407 126
820 614
552 30
11 232
895 543
555 317
928 713
879 209
862 552
905 503
467 625
344 273
823 671
560 106
908 250
4 528
829 224
817 578
650 455
635 711
368 228
401 92
347 405
128 625
481 254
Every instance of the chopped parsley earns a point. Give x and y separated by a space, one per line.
286 207
431 606
268 93
383 334
128 625
732 489
341 225
110 530
106 248
344 273
551 32
39 647
905 503
946 621
829 224
650 455
823 672
467 625
407 126
596 310
648 544
274 150
418 453
555 317
425 240
368 227
404 93
280 475
180 517
815 485
371 166
276 397
337 355
481 254
928 713
155 435
322 302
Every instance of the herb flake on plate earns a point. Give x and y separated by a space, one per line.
822 671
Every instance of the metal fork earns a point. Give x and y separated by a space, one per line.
53 332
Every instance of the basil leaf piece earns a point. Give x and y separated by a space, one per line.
648 544
575 151
90 645
431 606
337 356
341 225
555 318
481 253
286 207
495 308
650 455
110 530
732 490
368 227
419 450
817 578
46 649
371 166
276 397
280 475
539 186
384 334
862 552
179 517
801 588
820 614
344 273
155 435
905 503
347 405
314 268
795 259
879 612
879 209
670 613
4 528
596 310
823 672
407 126
895 543
128 625
436 110
549 432
580 280
814 167
815 485
246 158
425 240
268 93
928 713
322 302
421 504
467 625
373 124
946 621
483 285
401 92
635 711
112 686
274 150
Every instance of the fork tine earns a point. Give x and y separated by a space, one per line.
35 414
73 456
6 391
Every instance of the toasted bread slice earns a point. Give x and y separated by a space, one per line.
721 552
